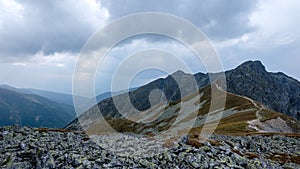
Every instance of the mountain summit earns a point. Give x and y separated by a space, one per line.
253 66
276 91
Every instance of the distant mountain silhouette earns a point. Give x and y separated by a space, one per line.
32 110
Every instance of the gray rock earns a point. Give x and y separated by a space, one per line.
63 150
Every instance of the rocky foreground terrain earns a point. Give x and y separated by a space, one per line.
24 147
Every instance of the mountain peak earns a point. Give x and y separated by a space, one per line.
178 72
253 65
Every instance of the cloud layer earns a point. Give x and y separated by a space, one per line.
40 41
218 19
28 27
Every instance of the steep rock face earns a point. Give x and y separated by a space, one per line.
277 91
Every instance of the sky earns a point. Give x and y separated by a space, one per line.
41 41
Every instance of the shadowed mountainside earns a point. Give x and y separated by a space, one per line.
32 110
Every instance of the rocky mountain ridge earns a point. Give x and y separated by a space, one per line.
241 115
249 79
277 91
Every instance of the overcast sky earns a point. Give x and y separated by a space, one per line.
40 41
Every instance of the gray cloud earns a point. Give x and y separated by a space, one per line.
41 39
218 19
27 27
56 26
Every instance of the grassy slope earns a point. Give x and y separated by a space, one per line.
235 124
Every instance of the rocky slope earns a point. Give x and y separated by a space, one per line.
22 147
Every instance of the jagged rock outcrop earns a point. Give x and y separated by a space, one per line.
277 91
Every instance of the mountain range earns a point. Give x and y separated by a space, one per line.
58 97
32 110
40 108
269 99
275 93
